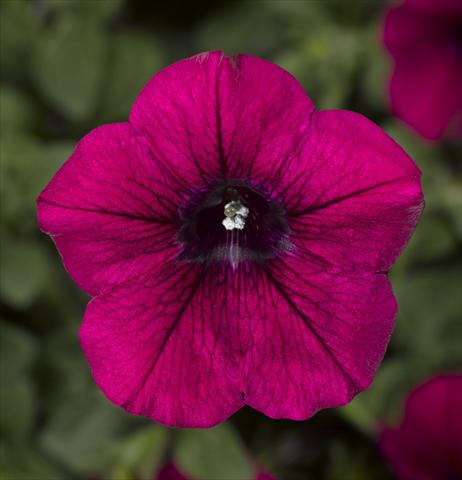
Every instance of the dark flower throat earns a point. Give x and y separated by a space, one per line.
232 222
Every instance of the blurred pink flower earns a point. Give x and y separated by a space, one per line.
428 443
424 38
236 242
170 472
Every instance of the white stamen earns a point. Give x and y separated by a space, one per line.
235 214
239 222
228 223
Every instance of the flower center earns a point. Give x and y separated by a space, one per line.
457 34
232 222
453 476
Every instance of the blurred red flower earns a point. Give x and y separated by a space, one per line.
428 443
170 472
424 38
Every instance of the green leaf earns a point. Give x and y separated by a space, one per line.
352 13
140 454
430 305
259 32
135 58
384 399
17 347
376 71
296 14
19 28
24 462
325 63
19 409
452 200
27 166
17 113
17 395
63 361
22 269
68 67
212 454
432 240
348 462
82 432
86 10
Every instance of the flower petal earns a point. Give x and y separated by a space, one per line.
422 40
170 472
189 344
359 198
431 105
411 28
164 347
435 7
317 340
428 443
264 476
108 211
212 117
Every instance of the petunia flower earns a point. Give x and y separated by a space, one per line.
428 443
424 38
170 471
287 310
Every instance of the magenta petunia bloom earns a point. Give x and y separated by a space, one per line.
170 471
424 38
236 242
428 443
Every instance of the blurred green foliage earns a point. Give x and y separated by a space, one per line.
68 65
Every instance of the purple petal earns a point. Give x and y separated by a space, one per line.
212 117
170 472
446 8
423 37
108 210
188 347
359 198
428 443
427 106
167 347
317 340
264 476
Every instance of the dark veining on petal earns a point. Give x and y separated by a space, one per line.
220 149
309 324
315 208
101 211
168 334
